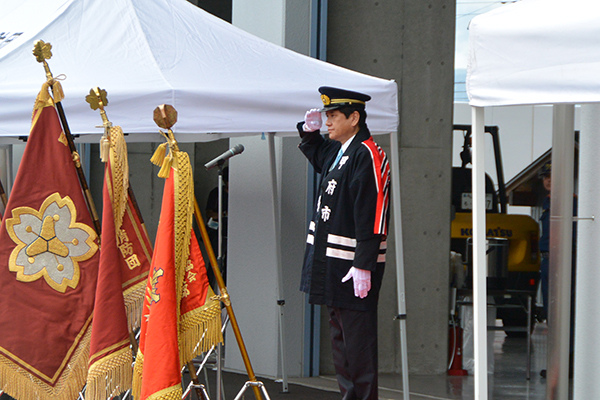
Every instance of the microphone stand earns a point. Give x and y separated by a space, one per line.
220 265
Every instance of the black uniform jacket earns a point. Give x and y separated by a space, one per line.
349 225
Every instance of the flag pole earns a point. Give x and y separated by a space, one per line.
3 195
97 99
165 117
41 51
225 298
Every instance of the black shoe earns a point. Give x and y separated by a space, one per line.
543 373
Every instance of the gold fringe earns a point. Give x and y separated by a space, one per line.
110 376
136 382
134 300
120 175
166 167
159 155
171 393
184 192
199 330
20 384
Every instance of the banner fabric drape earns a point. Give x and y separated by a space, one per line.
181 317
49 257
124 264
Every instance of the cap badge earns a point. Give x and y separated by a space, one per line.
326 100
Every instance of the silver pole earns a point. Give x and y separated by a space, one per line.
479 259
277 223
561 234
587 349
220 258
400 285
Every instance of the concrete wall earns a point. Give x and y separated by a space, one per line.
252 264
411 41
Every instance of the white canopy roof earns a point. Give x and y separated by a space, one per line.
221 80
535 52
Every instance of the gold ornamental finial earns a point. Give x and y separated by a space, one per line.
97 100
42 52
165 116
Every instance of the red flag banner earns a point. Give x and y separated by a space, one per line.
124 264
181 317
49 259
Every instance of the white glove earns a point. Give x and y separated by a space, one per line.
362 281
312 120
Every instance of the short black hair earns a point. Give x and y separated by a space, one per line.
348 110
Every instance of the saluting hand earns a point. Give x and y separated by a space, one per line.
362 281
312 120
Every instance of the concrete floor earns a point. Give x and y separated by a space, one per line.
508 381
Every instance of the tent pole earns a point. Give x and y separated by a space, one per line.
277 226
561 254
400 285
479 257
587 348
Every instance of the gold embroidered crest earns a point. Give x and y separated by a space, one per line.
326 100
50 243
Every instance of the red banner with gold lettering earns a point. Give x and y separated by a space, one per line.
181 318
124 264
49 265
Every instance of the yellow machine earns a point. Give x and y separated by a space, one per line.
519 269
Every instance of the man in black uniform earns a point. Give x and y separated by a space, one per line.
346 238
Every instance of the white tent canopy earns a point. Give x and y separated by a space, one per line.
545 52
535 52
222 80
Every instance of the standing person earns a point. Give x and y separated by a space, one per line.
345 252
545 236
212 213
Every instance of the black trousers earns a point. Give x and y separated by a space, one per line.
354 345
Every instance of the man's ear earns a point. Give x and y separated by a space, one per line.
355 117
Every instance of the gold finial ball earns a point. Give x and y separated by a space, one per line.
165 116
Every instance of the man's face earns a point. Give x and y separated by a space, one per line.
339 127
547 182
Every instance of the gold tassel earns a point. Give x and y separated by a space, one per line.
57 91
159 155
166 167
104 149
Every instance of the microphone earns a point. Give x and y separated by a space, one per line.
235 150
